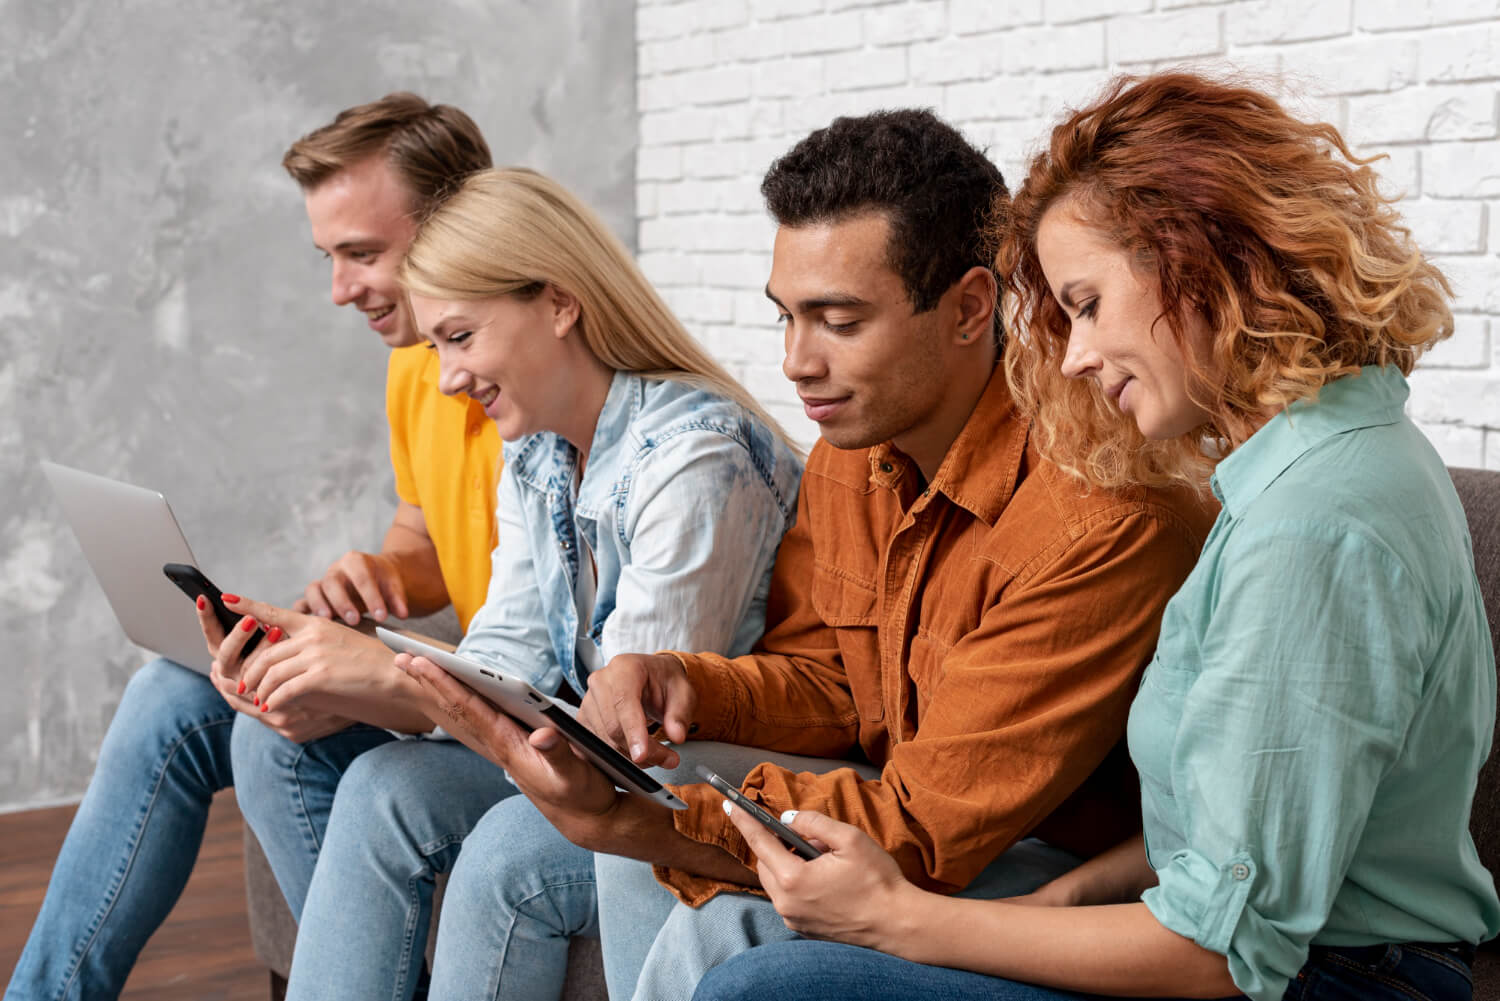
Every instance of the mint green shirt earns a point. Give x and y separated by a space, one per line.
1310 731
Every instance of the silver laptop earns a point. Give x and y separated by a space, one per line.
127 533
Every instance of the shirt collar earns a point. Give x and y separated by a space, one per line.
980 469
547 461
1374 397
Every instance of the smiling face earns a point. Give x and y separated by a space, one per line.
516 354
361 220
1118 336
867 368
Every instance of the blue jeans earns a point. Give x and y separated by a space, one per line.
657 949
286 793
134 839
400 816
800 970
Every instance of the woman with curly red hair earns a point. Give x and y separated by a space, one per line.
1207 290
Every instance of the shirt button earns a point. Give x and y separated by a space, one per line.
475 431
1240 871
886 467
565 545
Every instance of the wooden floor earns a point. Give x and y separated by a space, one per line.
201 953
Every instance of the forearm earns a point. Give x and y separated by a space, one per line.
416 561
1117 949
1117 876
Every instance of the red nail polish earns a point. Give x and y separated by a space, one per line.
202 603
242 688
265 707
274 635
249 624
257 700
232 599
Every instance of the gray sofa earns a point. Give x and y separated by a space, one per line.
273 931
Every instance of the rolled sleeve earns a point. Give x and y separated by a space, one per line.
1300 706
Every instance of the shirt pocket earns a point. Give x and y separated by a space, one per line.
848 603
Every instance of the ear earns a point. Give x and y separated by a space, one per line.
976 296
565 310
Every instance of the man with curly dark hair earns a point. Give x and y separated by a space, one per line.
954 629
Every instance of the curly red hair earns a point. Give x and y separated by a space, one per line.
1267 227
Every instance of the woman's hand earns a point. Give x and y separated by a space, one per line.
852 893
312 663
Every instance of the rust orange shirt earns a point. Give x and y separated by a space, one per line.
979 640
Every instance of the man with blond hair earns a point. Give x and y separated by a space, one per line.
368 178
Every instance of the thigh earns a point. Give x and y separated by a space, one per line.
801 970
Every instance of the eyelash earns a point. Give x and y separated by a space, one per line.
1089 310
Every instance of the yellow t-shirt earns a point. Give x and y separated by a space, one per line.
446 455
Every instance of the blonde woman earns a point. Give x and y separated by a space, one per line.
642 500
1190 263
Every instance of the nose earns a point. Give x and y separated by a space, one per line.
346 285
1080 359
803 361
453 379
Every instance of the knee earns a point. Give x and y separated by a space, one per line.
164 706
263 760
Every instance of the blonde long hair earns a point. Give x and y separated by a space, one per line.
506 230
1266 226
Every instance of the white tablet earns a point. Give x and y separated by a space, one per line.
533 710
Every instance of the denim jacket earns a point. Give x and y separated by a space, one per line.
683 503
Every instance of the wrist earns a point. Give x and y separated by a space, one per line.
898 921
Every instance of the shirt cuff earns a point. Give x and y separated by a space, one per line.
704 821
718 692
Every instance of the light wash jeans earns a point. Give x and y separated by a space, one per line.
134 839
400 816
286 793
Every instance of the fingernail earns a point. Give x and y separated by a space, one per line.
249 624
636 750
324 613
378 615
257 700
231 599
352 618
202 603
242 688
265 707
787 816
728 808
274 635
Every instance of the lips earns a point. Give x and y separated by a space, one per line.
822 408
375 316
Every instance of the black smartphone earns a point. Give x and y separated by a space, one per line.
789 837
193 584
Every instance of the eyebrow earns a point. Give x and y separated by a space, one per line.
358 241
824 301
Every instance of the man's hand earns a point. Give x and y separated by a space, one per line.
571 792
355 584
631 691
848 894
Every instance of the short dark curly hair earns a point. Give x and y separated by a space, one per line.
938 192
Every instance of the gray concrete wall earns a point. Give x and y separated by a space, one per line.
164 318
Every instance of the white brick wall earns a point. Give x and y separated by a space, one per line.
724 86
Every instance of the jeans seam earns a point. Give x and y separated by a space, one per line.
1439 957
112 896
1391 982
515 914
